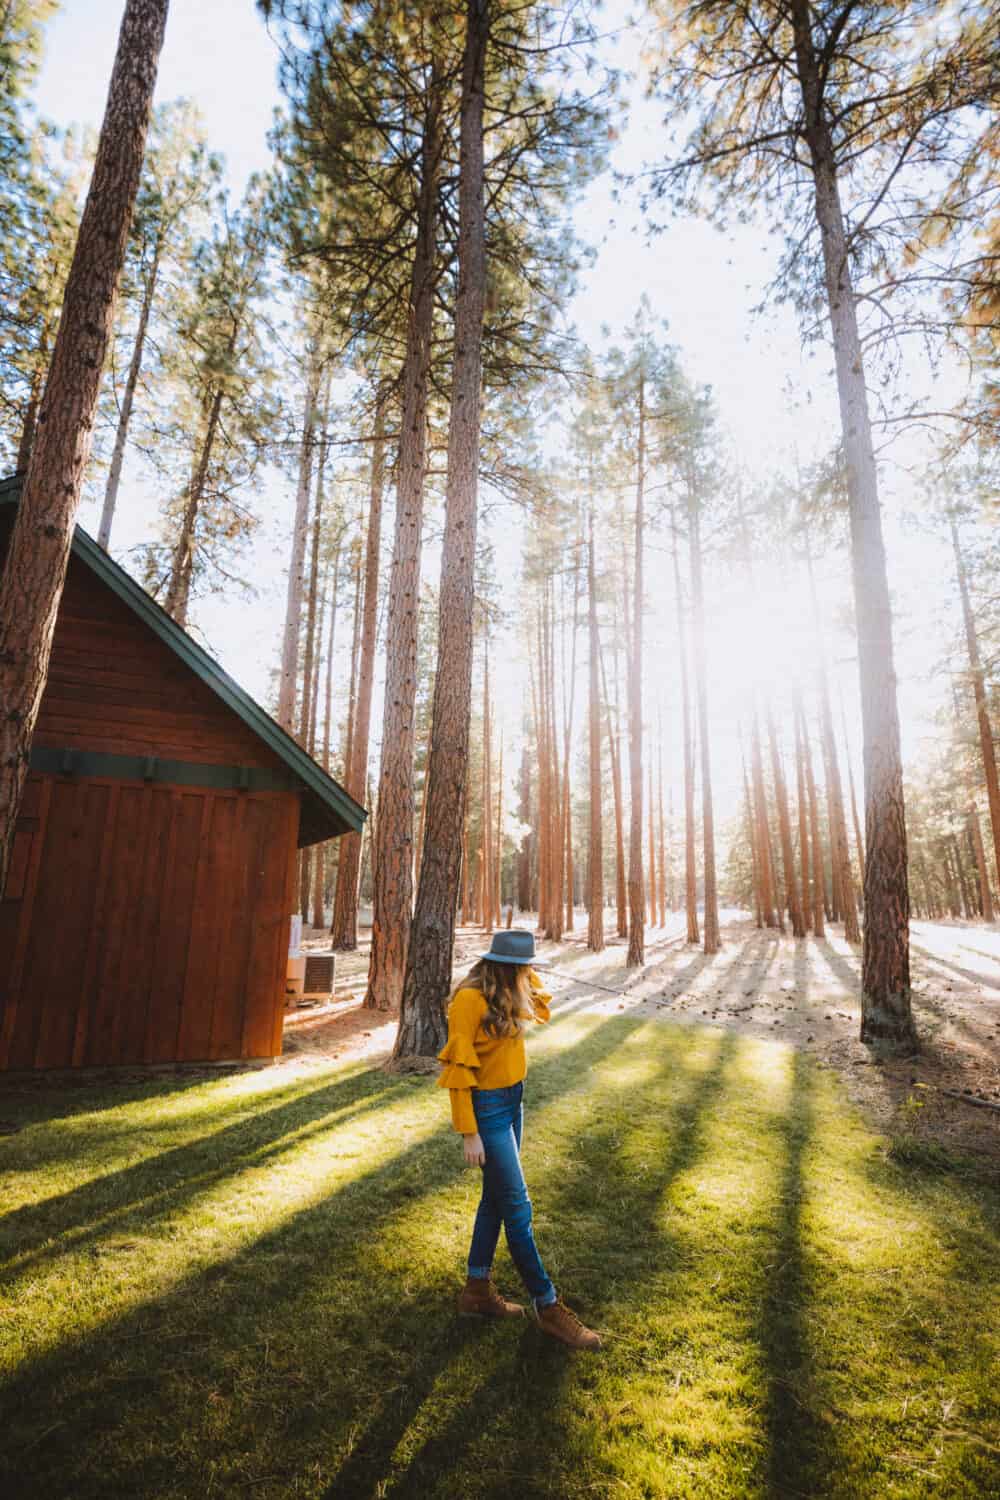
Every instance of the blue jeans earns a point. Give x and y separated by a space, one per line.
505 1200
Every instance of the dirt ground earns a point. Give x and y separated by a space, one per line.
803 994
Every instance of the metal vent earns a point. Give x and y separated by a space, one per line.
319 976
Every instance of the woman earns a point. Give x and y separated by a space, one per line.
484 1070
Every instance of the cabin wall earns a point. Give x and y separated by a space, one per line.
145 923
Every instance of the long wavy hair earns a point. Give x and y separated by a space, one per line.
506 989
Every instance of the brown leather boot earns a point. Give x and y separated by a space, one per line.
562 1323
479 1298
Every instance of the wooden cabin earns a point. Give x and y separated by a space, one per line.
147 908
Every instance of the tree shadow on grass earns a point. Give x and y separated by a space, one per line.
126 1199
39 1102
335 1316
799 1460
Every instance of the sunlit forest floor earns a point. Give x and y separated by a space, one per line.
767 985
244 1284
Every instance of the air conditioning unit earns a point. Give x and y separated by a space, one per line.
319 976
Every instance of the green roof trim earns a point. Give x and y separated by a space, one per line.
336 806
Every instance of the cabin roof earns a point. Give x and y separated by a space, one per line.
328 810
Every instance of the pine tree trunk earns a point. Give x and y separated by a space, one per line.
768 898
296 567
30 421
524 813
353 686
567 819
651 845
35 570
178 595
986 745
307 709
818 895
344 928
423 1027
751 834
886 1014
636 893
662 889
486 821
621 892
671 853
687 729
393 853
498 845
840 854
985 894
968 906
557 863
792 905
310 677
808 914
712 941
595 865
539 725
313 892
466 883
125 413
324 863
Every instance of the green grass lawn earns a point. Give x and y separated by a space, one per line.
245 1286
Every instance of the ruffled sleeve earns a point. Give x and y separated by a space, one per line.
460 1058
541 1000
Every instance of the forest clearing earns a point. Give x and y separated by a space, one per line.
499 809
222 1283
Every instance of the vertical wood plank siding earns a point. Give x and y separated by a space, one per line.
145 924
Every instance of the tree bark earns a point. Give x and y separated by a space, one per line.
486 817
690 870
567 818
30 421
886 1014
968 904
621 892
986 745
128 398
178 595
985 894
792 904
818 895
524 813
772 916
35 570
636 894
344 928
595 866
808 915
662 889
423 1027
651 844
296 566
712 942
393 853
308 709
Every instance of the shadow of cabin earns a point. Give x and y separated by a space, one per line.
146 913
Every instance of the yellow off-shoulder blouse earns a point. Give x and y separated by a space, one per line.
473 1059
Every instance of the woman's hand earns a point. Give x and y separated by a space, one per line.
475 1155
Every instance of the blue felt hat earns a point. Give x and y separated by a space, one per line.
514 946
